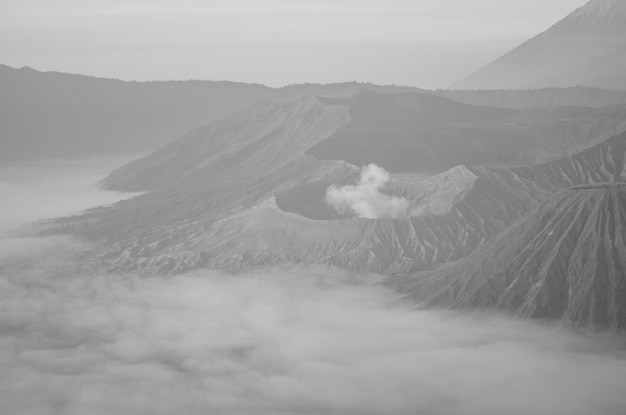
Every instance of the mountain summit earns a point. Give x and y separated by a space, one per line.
588 47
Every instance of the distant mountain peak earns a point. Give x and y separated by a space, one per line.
602 6
601 14
585 48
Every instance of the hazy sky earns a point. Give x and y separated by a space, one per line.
428 43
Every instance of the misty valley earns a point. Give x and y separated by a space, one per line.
221 247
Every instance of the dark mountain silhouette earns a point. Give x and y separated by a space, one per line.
565 260
425 133
585 48
403 132
51 114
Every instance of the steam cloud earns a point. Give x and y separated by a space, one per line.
290 341
366 199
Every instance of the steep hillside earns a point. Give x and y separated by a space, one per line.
606 71
585 48
243 192
565 260
425 133
206 224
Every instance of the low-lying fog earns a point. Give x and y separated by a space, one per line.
289 341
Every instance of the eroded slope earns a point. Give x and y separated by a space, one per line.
565 260
243 193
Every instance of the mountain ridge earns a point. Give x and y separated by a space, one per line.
420 133
263 203
60 115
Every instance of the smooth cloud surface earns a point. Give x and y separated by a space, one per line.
291 341
37 191
366 199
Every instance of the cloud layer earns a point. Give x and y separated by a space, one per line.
366 199
280 341
36 191
287 341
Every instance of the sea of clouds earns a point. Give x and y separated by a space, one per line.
277 341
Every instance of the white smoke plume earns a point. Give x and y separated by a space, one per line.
366 199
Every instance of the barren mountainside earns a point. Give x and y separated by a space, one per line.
415 133
566 260
246 192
